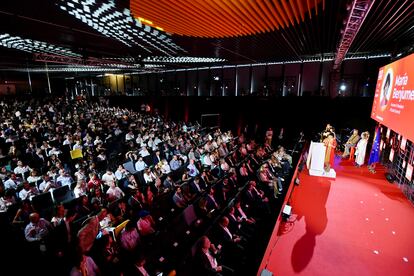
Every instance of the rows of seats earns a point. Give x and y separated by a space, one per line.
83 219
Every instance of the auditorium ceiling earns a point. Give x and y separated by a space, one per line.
148 34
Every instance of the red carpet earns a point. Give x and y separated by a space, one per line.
357 224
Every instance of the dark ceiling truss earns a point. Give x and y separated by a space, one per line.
388 27
358 11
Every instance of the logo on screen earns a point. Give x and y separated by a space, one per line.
386 89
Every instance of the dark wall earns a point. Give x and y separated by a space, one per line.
294 113
308 78
274 79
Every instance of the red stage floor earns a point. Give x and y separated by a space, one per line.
358 224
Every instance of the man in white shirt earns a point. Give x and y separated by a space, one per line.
20 169
192 169
38 228
64 178
54 151
27 192
157 141
139 139
175 164
108 177
114 192
129 136
207 160
140 165
97 141
67 141
117 131
144 152
165 168
80 174
12 182
120 173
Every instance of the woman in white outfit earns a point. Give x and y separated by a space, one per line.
361 148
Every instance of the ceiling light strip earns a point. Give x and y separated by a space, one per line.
34 46
110 21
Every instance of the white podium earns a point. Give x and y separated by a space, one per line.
316 159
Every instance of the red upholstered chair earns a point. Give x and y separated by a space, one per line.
352 153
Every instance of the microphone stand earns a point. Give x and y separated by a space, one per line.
296 144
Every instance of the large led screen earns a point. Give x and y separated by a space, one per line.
394 97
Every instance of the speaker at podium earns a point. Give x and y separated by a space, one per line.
316 161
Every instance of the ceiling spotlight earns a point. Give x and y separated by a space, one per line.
342 87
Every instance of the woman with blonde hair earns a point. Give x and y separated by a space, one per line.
361 149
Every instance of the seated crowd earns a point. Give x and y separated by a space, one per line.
102 190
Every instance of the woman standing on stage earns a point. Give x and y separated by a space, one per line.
330 144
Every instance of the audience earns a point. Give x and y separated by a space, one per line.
175 165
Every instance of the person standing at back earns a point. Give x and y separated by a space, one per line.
269 136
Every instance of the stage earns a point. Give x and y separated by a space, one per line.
357 224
